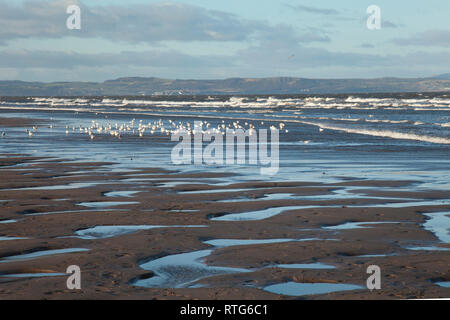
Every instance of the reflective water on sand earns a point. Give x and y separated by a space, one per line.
124 194
182 270
439 224
11 238
356 225
39 254
7 221
102 232
302 289
32 275
72 211
106 204
445 284
430 248
316 265
247 242
262 214
75 185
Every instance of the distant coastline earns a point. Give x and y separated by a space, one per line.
246 86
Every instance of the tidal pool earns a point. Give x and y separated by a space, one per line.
302 289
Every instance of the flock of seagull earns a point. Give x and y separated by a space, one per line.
160 126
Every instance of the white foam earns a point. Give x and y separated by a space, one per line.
385 133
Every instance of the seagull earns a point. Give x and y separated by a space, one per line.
3 134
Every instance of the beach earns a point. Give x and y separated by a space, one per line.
140 227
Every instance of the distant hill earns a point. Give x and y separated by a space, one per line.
278 85
445 76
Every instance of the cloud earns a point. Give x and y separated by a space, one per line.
438 38
263 60
315 10
264 50
388 24
265 56
141 23
130 23
366 45
285 35
23 59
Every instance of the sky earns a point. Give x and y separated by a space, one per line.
218 39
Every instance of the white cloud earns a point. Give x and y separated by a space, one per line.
315 10
438 38
130 23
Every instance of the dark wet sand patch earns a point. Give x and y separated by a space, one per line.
111 263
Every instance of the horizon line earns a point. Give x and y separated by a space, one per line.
230 78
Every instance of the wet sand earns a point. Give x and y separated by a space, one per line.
47 201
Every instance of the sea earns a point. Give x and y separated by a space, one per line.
322 138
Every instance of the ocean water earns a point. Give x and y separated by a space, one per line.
324 138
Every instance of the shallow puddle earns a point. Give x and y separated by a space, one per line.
173 184
337 194
12 238
445 284
102 232
77 185
355 225
122 194
39 254
262 214
245 242
106 204
381 255
275 196
218 190
431 248
439 224
8 221
316 265
32 275
405 204
302 289
180 270
72 211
